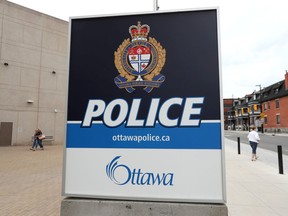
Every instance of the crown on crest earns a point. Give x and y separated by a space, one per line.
139 32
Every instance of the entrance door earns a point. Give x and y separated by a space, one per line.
6 133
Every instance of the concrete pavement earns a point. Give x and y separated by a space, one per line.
255 188
30 182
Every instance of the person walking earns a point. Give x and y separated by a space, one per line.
254 139
37 140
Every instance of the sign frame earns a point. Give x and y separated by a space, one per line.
148 197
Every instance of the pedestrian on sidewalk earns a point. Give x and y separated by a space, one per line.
254 139
37 140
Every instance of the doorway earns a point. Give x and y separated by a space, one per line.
6 133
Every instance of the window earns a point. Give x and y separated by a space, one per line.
278 119
255 107
276 91
265 106
268 105
277 103
244 110
265 120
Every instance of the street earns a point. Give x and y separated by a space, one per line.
268 141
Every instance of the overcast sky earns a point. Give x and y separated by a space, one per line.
253 33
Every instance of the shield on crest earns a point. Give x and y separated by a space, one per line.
139 58
139 61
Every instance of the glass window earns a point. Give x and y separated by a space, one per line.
277 103
265 120
276 91
278 119
245 111
265 106
268 105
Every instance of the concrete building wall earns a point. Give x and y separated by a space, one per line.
33 45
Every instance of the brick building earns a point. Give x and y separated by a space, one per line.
275 106
228 104
267 109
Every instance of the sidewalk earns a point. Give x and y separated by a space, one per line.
266 133
30 182
255 188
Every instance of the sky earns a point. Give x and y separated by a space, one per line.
253 34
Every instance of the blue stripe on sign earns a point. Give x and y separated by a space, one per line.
207 136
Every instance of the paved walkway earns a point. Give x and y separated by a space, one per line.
255 188
30 182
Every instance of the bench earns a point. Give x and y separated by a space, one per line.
48 139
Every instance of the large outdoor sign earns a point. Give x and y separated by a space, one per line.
144 108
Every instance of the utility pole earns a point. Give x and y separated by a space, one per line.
260 101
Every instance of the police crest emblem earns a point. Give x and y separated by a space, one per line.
139 61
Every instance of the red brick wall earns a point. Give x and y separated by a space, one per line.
271 113
284 111
227 104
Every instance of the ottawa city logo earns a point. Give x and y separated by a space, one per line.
139 61
122 174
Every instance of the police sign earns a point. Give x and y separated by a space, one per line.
144 108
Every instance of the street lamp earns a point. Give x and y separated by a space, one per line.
156 5
260 101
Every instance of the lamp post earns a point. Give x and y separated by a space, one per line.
248 113
260 101
156 5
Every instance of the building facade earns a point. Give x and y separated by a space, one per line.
267 109
241 113
33 74
275 106
228 104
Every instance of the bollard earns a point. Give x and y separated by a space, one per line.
239 150
280 159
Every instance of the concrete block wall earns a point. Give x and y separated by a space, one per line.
34 45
